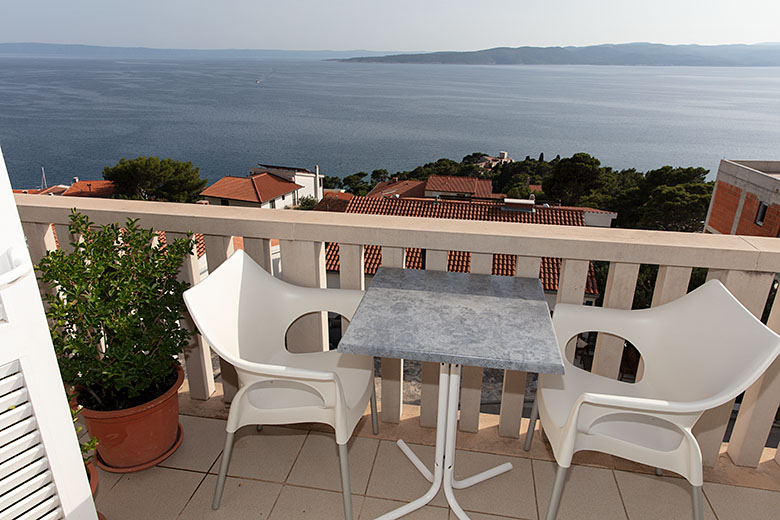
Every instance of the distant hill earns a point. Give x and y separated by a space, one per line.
54 50
759 55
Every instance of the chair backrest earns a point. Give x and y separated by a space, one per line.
705 346
242 310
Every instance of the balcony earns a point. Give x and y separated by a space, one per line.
288 472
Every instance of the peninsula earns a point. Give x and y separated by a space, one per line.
757 55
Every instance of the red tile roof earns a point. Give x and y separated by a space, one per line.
458 261
258 188
470 185
399 188
338 195
103 189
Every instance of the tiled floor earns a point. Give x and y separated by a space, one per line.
292 474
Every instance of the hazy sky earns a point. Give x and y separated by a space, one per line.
403 25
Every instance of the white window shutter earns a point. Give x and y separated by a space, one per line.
42 474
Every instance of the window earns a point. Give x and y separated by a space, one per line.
273 204
224 202
282 197
761 213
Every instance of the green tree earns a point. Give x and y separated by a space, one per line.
306 203
573 178
473 158
677 208
356 184
378 176
152 178
330 182
518 191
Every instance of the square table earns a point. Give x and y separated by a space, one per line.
454 319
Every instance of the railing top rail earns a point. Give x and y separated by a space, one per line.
586 243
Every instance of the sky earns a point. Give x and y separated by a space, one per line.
386 25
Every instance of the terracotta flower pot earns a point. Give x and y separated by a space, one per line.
92 476
139 437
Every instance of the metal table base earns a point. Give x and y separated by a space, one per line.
444 460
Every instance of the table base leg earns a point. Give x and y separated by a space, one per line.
444 459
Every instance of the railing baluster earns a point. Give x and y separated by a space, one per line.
572 280
513 388
64 238
218 249
471 377
259 249
303 263
40 240
619 294
751 289
759 404
393 369
197 355
351 271
429 385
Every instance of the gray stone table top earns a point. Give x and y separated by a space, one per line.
468 319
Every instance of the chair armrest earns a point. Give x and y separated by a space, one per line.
637 404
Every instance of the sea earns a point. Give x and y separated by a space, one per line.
74 116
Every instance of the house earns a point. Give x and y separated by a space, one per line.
489 162
266 187
746 199
262 190
310 181
519 211
78 188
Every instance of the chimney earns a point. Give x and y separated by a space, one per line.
522 205
75 180
317 182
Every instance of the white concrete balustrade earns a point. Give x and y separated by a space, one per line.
746 265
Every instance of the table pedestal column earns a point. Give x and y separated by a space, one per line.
444 458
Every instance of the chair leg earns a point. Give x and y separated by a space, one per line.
346 489
555 498
529 434
374 416
223 467
698 509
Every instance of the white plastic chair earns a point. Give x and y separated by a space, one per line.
699 352
244 313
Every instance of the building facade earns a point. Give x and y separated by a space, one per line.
746 199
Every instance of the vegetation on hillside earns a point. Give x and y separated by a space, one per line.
667 198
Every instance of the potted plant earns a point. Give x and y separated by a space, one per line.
114 313
87 451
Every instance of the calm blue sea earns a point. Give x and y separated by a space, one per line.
75 116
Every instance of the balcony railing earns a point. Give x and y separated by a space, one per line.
746 266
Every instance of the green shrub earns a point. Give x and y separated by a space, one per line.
114 312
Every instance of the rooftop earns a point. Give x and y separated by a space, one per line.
258 188
97 188
472 186
396 188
